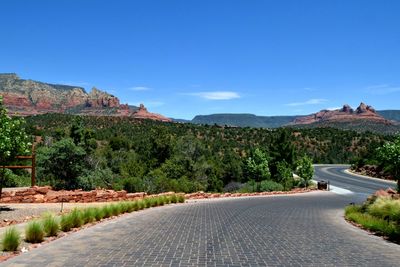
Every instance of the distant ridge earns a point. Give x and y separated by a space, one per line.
363 118
244 120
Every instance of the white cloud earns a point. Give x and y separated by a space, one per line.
217 95
139 88
382 89
314 101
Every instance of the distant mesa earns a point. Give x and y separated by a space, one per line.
345 114
28 97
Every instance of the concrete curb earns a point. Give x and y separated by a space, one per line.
369 177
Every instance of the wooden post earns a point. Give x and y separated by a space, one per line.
33 172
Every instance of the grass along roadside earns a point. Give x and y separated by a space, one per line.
50 226
381 215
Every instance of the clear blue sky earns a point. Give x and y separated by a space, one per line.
182 58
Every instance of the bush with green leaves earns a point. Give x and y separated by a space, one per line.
50 225
257 167
11 239
269 186
62 163
34 232
305 171
285 175
13 140
99 178
389 155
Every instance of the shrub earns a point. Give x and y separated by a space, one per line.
50 225
269 186
11 239
34 232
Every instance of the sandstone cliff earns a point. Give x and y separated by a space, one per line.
345 114
28 97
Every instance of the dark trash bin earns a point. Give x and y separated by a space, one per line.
322 185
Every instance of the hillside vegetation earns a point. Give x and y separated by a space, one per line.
143 155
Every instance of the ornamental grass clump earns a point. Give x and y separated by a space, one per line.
89 215
160 201
34 232
147 203
133 206
65 223
98 213
181 198
50 225
141 204
386 208
76 218
173 198
11 239
107 211
124 207
115 209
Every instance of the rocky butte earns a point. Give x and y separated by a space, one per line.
346 114
28 97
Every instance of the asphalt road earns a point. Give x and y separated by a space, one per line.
293 230
358 185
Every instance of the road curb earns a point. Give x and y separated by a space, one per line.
369 177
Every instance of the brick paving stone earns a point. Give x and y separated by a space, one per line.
296 230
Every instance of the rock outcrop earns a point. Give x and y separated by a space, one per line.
27 97
345 114
142 113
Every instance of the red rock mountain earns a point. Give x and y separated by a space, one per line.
345 114
27 97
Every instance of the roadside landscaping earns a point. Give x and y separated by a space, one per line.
51 226
380 214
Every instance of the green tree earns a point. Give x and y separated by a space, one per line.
305 170
285 175
257 167
13 140
63 162
389 154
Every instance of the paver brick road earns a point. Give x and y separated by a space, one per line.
295 230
